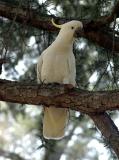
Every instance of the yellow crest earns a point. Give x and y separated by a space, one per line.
54 24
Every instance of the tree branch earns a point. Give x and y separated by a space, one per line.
108 130
91 103
93 30
59 96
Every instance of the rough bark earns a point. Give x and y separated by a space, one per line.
59 96
108 130
93 30
92 103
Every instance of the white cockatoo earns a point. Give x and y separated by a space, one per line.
57 64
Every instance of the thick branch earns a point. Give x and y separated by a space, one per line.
59 96
93 30
91 103
108 129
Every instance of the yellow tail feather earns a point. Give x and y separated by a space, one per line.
54 122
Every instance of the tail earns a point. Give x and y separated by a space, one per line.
54 122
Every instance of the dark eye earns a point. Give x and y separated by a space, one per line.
72 27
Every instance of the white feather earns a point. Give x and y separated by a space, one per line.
57 64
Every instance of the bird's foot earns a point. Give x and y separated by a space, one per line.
68 86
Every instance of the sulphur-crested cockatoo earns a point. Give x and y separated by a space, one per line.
57 64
